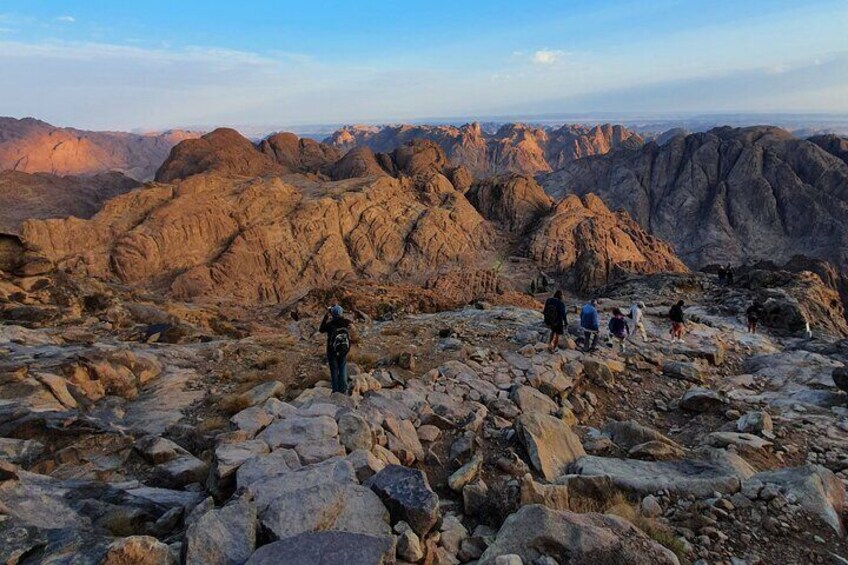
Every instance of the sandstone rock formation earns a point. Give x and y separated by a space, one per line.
513 148
32 146
727 195
589 246
516 202
25 196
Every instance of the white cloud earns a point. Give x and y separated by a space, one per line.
66 19
547 56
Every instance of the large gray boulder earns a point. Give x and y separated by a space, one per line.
327 507
629 434
408 496
535 532
684 477
814 487
291 432
327 548
550 443
223 536
271 487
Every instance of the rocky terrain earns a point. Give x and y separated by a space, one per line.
513 148
135 429
32 146
164 395
727 195
228 221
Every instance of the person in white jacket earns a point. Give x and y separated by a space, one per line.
636 315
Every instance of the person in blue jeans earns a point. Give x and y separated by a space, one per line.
590 324
337 328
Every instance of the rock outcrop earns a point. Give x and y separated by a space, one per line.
513 148
727 195
516 202
589 246
32 146
25 196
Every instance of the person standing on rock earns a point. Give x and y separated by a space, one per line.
590 324
636 315
555 318
337 329
728 275
678 321
753 313
618 328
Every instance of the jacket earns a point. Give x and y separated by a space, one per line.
589 318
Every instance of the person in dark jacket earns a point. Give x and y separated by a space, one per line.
753 314
619 329
337 329
678 321
555 318
728 275
590 323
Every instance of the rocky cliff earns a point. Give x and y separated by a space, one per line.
26 196
33 146
514 148
228 220
727 195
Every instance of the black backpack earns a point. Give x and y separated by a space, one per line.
551 314
341 342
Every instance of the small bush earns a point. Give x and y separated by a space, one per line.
233 403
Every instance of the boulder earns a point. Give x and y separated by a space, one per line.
554 497
725 439
530 400
328 507
700 400
814 487
230 456
550 443
656 450
630 433
840 378
684 371
315 452
408 496
536 532
138 550
291 432
354 432
223 536
755 422
282 482
327 548
683 477
277 462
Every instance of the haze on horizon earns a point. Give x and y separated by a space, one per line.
115 65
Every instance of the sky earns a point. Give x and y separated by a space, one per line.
107 64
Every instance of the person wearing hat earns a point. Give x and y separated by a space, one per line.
337 328
637 315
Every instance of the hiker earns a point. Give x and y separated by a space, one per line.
753 313
337 329
722 275
618 328
590 324
677 321
636 315
728 275
555 318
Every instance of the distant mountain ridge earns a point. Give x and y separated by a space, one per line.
513 148
32 146
726 195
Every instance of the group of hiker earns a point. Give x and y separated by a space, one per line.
621 328
725 275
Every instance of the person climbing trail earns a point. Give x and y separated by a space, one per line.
637 315
618 328
337 329
678 321
753 314
590 324
556 319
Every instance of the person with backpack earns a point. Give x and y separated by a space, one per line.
337 329
618 328
678 321
555 319
637 315
753 314
590 324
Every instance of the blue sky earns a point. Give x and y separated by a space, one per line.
155 64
